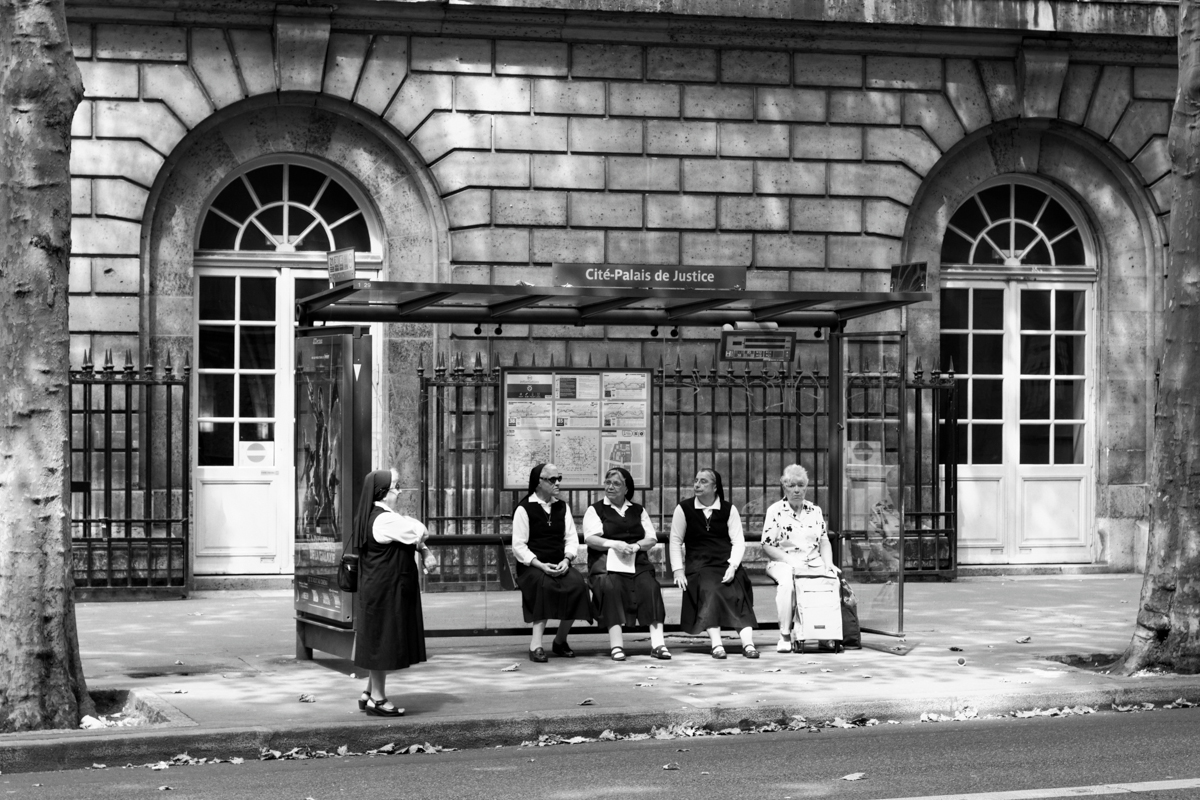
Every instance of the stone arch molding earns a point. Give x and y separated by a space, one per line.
354 143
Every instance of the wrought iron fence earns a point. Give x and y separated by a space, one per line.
748 423
130 463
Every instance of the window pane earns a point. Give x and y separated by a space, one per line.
986 444
353 233
254 239
969 219
258 298
954 308
1068 444
954 352
1035 355
216 395
1035 399
1039 254
315 241
989 309
257 398
1023 236
258 348
995 201
306 287
216 298
1068 400
215 348
1068 310
955 249
1055 220
990 249
1035 309
235 201
1035 444
335 203
267 183
956 449
214 444
1069 249
303 184
1068 355
1027 202
217 233
272 219
987 399
988 351
256 432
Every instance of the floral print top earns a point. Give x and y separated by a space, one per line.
787 528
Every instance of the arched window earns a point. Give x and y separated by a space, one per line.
286 208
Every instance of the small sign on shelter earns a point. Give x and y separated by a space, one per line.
341 265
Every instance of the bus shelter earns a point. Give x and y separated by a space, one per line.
866 405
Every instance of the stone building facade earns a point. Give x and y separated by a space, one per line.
1018 148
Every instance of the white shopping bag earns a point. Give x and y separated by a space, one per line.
819 606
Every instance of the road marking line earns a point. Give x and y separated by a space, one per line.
1067 791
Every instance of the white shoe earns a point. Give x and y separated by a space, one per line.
783 645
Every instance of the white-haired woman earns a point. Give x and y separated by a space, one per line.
795 539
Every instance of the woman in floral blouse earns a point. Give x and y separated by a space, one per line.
795 540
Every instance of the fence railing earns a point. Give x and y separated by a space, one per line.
748 423
130 464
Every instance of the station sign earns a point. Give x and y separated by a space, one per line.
341 265
757 345
648 276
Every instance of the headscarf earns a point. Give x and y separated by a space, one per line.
535 477
374 489
717 480
629 486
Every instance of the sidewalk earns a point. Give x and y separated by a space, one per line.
221 668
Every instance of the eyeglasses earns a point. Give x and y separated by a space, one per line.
555 479
614 484
795 485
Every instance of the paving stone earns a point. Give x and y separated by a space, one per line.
606 61
451 55
643 100
705 175
717 249
568 97
758 67
469 208
681 138
820 142
490 245
933 114
605 210
681 64
788 250
789 177
642 247
868 108
643 174
964 88
344 62
568 246
791 105
176 86
754 139
480 93
904 72
531 58
754 213
418 97
108 79
385 69
300 46
822 69
530 133
512 207
568 172
446 131
694 211
825 215
463 168
141 42
718 102
212 61
605 135
256 59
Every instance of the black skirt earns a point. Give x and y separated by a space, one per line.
708 603
553 597
620 598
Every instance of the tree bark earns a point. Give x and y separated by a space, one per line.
41 676
1168 623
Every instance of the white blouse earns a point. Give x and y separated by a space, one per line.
520 533
679 527
392 527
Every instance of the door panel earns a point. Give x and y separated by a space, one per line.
237 520
981 537
1053 510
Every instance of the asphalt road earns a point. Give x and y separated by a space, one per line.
975 760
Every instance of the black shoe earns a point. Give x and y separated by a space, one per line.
538 656
563 650
383 709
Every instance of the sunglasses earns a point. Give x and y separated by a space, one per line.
555 479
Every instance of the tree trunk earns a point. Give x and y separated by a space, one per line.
41 677
1168 622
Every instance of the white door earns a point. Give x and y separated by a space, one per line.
1022 353
243 435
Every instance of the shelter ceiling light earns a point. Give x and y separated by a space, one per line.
478 330
654 331
675 333
499 330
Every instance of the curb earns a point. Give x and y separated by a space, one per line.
64 750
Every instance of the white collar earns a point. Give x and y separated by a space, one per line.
716 504
544 504
621 508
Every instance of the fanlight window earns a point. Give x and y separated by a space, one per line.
1013 225
285 208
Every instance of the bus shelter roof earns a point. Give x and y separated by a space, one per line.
380 301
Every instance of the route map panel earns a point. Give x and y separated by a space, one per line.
584 421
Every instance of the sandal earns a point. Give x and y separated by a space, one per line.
618 654
718 652
362 700
661 653
749 651
383 708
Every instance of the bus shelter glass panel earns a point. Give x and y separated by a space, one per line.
872 452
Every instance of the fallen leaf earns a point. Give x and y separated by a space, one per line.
1024 639
179 663
307 698
99 766
164 788
643 684
854 776
672 765
683 750
587 701
511 668
776 669
956 649
826 670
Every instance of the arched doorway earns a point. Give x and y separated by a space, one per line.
261 243
1017 326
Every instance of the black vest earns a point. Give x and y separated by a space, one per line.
546 530
706 541
621 529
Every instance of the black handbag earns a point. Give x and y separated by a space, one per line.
851 632
347 572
